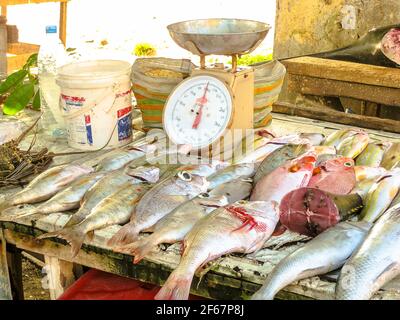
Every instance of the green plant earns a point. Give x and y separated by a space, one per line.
248 59
21 89
145 50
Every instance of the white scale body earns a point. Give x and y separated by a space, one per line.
210 105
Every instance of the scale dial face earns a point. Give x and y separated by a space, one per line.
198 111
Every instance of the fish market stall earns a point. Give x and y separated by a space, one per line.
230 277
210 197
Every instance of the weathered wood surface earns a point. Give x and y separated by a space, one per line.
337 88
60 275
344 71
329 115
231 277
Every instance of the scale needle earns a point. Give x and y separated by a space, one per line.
200 101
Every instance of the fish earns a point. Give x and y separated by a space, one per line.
373 154
175 225
311 211
336 137
391 158
381 195
321 158
375 262
278 158
336 176
367 173
396 200
230 173
117 160
377 47
258 154
242 227
204 169
352 146
294 174
47 184
326 252
315 139
67 199
322 151
160 200
114 209
103 188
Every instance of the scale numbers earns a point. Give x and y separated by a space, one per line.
198 111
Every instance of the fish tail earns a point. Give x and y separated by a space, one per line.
74 220
74 236
127 234
4 205
139 249
177 287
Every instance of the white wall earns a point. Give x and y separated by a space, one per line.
123 23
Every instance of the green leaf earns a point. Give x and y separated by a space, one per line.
36 100
32 61
12 81
19 99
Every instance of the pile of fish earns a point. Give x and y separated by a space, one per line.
332 189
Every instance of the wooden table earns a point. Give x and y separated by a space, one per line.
231 277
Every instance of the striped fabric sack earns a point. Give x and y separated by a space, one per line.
153 79
268 83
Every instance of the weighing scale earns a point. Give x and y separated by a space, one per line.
215 100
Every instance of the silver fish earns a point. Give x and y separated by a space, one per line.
164 197
175 225
102 189
65 200
391 158
242 227
326 252
118 159
237 171
373 154
375 263
47 184
114 209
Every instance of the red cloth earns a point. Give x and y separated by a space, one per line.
99 285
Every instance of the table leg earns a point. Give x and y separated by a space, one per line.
5 284
15 263
60 275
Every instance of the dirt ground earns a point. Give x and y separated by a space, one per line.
31 278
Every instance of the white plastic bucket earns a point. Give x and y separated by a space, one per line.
96 104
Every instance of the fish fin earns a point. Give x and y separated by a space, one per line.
177 287
16 212
74 236
74 220
139 249
127 234
90 235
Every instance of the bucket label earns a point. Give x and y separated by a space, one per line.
88 126
124 123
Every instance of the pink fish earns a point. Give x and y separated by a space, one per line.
294 174
242 227
336 176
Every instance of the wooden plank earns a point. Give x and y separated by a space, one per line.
17 2
63 22
60 275
22 48
5 284
323 113
335 88
344 71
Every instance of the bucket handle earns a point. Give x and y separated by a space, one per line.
94 102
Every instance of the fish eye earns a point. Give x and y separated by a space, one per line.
348 164
185 176
204 195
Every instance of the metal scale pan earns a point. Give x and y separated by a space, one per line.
229 37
